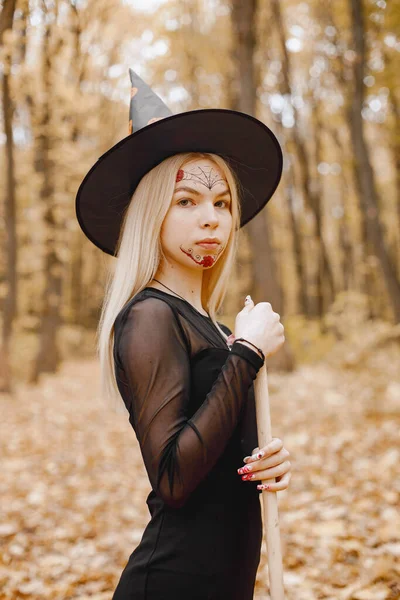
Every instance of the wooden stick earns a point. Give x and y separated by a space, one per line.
269 498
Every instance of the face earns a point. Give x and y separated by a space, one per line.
200 208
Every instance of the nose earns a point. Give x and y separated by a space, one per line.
210 215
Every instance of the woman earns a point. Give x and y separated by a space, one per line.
185 379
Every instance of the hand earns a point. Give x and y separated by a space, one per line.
273 464
260 325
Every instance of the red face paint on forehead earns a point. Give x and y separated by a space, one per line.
207 176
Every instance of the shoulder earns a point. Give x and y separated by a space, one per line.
153 305
149 315
142 306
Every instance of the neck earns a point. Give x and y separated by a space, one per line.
189 286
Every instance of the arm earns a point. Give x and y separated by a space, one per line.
178 452
248 426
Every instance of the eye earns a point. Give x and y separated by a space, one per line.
226 203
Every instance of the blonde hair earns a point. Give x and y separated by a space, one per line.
139 253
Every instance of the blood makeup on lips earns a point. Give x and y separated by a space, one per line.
205 261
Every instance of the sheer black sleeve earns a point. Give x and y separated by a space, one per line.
178 452
248 426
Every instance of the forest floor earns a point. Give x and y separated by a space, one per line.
74 489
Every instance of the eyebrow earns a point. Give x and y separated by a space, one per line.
184 188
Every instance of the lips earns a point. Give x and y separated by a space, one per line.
211 240
208 244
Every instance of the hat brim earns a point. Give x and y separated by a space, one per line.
250 147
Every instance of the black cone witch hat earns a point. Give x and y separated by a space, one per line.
155 133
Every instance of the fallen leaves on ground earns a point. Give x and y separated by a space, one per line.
74 487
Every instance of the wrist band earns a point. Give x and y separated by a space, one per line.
259 349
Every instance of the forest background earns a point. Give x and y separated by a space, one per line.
325 252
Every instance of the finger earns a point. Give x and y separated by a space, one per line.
279 478
283 484
265 464
271 473
254 451
274 446
268 462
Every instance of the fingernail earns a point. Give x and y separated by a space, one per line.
259 455
245 469
246 459
263 487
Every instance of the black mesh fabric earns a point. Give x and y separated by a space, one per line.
190 400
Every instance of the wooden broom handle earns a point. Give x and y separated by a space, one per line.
269 498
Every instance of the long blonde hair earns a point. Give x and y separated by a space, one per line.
139 253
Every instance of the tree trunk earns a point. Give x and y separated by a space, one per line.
346 244
9 308
309 182
48 356
364 175
297 251
265 281
395 145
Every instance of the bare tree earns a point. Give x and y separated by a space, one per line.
309 181
265 279
47 358
363 172
10 301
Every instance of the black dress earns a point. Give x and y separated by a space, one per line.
190 399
